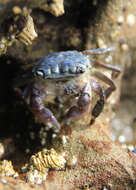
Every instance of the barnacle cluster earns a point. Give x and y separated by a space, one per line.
6 169
40 163
19 26
47 159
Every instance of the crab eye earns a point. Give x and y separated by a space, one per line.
39 73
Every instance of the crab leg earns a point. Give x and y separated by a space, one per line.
108 81
103 94
115 69
42 113
83 104
100 103
45 115
98 51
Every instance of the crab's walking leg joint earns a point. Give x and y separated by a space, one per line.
115 69
108 81
100 103
83 104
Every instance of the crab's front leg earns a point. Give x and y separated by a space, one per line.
41 113
83 104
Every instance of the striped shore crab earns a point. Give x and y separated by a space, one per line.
62 87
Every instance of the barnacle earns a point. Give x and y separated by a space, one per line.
19 26
6 169
23 25
28 34
47 159
37 169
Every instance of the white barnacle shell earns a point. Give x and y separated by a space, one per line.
28 34
47 159
6 169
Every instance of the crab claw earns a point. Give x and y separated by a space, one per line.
41 113
45 115
82 107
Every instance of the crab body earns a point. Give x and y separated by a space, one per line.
62 64
61 92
